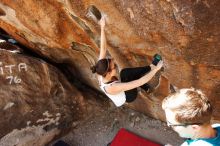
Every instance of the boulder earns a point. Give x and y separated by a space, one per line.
185 33
37 102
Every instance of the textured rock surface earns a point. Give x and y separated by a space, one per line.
35 98
34 136
186 33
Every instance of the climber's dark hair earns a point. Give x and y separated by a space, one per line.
101 67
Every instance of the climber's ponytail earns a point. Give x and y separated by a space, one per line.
101 67
93 69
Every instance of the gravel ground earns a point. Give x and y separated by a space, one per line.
100 128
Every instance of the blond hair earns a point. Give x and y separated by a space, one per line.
189 106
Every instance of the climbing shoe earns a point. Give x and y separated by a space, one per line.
156 59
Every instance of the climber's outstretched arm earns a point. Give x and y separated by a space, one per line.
119 87
103 49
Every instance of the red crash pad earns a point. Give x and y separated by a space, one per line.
126 138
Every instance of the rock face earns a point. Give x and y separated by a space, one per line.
36 99
185 33
34 136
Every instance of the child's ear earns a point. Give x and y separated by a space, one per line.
196 127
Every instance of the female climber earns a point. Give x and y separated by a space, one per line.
124 89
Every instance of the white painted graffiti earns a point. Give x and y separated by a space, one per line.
13 79
11 69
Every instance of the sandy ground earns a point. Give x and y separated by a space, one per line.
101 127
